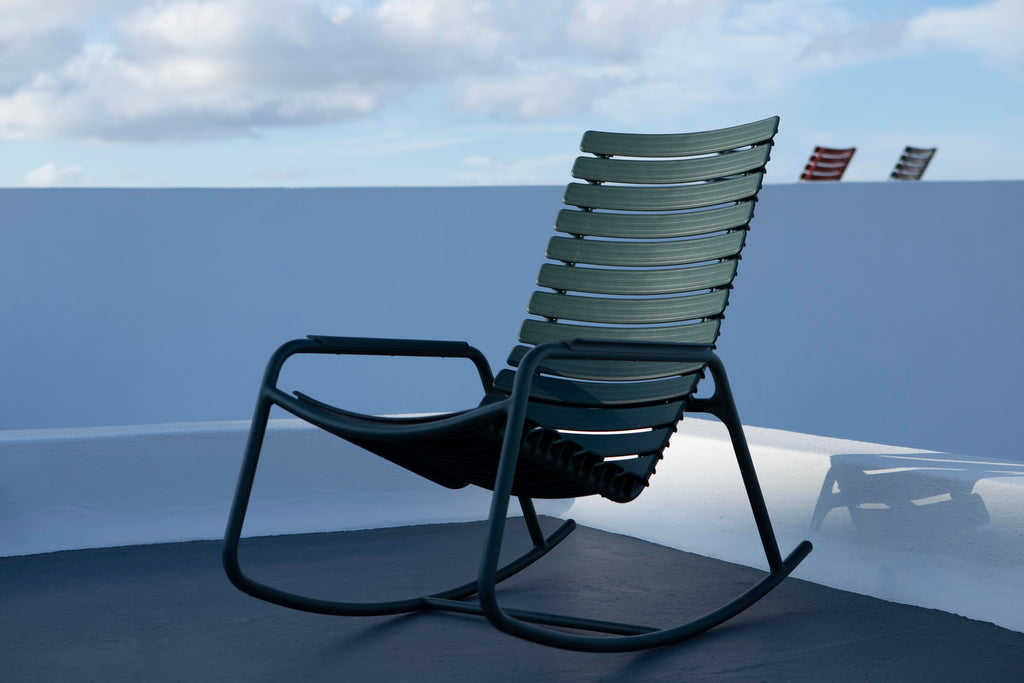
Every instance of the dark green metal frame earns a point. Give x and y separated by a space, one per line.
524 624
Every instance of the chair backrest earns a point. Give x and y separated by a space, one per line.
648 253
827 163
912 163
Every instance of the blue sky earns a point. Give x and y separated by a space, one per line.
244 93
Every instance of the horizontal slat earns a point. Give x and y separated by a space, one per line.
616 419
570 392
636 282
654 226
679 144
609 370
628 311
827 165
632 443
543 331
642 466
667 198
645 254
649 172
834 153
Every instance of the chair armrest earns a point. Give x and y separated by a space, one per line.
372 346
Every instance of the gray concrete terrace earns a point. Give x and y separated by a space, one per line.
166 612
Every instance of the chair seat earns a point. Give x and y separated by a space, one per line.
462 448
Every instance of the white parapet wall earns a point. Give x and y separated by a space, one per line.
911 526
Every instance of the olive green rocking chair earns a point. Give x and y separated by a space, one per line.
620 333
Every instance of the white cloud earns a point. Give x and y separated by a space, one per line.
49 175
195 69
484 170
994 30
530 95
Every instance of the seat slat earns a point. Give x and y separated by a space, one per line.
574 418
669 198
654 226
646 254
628 311
679 144
649 172
569 392
607 371
543 331
633 443
636 282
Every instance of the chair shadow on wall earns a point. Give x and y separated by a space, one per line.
918 500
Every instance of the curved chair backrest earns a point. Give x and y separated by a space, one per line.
648 253
912 163
827 163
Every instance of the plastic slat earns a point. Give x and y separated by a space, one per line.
615 419
646 254
633 443
669 198
609 371
679 144
833 153
570 392
636 282
654 226
642 466
628 311
649 172
543 331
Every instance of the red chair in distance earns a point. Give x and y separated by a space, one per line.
827 163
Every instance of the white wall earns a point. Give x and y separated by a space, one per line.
880 311
901 524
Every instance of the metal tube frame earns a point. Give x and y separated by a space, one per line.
269 395
521 623
721 405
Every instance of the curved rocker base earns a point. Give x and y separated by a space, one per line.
368 609
625 637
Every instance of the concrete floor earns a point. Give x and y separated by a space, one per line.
167 613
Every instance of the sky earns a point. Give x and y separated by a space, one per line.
325 93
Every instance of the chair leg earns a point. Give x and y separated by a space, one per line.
236 520
625 637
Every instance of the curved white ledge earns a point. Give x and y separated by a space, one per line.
911 526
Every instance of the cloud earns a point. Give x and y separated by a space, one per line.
994 30
483 170
49 175
117 70
530 95
187 69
